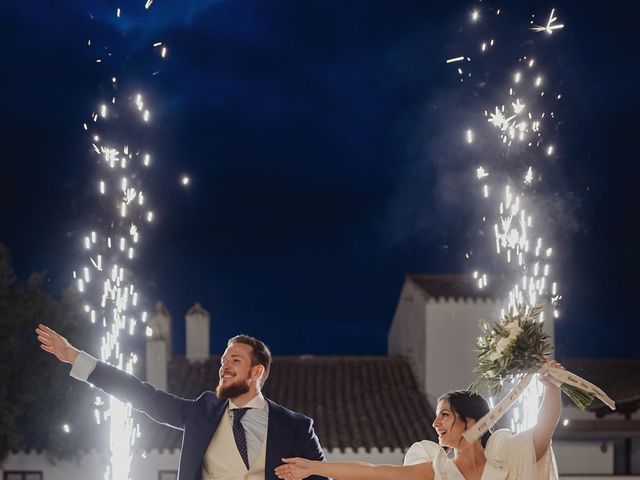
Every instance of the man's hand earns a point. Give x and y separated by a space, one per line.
54 343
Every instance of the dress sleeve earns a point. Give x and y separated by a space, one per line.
420 452
517 454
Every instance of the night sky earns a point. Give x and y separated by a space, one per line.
324 140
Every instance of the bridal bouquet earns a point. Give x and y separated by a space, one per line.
516 346
515 349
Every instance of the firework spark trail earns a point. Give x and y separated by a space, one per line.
105 278
517 129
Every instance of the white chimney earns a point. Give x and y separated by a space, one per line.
198 326
158 348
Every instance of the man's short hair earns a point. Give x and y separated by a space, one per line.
260 353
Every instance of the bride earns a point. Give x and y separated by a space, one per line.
496 456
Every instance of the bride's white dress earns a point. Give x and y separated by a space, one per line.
509 457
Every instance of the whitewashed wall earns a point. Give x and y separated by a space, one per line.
407 335
91 465
580 457
375 456
584 458
452 332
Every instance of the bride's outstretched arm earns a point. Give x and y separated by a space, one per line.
298 468
548 415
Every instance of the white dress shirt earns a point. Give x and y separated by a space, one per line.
255 423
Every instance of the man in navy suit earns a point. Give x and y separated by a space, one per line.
232 434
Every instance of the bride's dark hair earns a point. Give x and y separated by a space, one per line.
468 405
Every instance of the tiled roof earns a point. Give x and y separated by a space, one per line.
370 402
457 286
618 377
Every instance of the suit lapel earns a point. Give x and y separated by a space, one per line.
275 440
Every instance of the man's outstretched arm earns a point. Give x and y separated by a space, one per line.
160 406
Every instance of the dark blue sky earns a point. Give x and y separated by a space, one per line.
320 139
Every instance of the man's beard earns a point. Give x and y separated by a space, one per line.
232 390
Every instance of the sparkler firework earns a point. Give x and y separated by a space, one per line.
517 133
105 278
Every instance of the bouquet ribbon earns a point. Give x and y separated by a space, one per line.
558 376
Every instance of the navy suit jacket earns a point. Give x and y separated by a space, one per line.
289 434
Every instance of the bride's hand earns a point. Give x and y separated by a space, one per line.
294 469
545 379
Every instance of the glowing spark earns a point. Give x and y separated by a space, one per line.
499 120
146 116
550 26
475 15
518 107
148 4
163 53
66 428
157 44
185 180
118 13
550 150
528 178
455 59
516 78
469 136
538 81
481 173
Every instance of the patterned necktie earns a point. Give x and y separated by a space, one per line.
238 434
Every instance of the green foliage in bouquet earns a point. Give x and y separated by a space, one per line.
513 347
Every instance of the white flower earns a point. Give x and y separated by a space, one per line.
503 344
493 356
514 330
